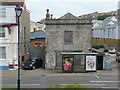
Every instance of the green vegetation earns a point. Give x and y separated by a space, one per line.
55 86
97 46
103 17
75 87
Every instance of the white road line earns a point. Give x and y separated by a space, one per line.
30 84
9 85
106 81
86 84
22 84
97 76
110 87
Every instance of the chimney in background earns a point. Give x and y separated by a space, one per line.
47 14
51 16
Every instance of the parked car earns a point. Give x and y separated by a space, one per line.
118 56
33 63
101 49
112 50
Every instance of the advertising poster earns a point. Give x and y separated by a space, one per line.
90 63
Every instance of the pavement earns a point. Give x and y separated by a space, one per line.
44 72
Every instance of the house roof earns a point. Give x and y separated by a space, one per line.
37 34
68 16
12 2
37 24
106 21
97 21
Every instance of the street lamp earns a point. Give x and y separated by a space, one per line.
18 11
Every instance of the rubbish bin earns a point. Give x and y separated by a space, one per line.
107 58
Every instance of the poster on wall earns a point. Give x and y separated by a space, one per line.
90 63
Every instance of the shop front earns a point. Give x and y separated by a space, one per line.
78 62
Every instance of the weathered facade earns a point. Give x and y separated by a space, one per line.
66 34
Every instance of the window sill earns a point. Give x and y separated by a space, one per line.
3 38
2 16
2 59
68 43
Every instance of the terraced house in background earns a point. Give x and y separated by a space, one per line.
9 34
37 26
107 32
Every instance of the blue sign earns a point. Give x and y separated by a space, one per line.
38 43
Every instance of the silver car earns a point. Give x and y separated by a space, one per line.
118 56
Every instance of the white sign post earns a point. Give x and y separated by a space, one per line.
90 63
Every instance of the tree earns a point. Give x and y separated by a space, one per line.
103 17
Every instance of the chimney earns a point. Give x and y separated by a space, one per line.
51 16
47 14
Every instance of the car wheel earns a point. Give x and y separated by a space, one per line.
33 67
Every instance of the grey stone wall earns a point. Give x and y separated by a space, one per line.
82 36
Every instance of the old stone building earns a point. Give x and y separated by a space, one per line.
66 34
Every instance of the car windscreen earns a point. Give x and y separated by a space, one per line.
31 62
118 53
111 49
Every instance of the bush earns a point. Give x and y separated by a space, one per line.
55 86
97 46
76 87
103 17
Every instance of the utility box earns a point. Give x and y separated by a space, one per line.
107 58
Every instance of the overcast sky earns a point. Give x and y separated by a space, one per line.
58 8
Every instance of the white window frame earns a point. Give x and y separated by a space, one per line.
1 53
2 12
3 32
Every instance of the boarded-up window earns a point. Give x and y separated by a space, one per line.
68 36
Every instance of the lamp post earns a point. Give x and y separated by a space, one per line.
18 11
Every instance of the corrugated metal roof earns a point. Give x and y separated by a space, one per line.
37 34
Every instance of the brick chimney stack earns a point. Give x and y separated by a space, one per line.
47 14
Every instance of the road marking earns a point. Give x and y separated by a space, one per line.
97 76
106 81
86 84
22 84
30 84
69 75
110 87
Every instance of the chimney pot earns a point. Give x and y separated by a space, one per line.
51 16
